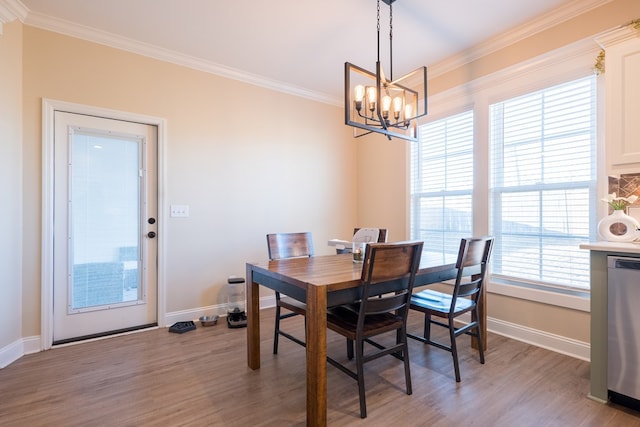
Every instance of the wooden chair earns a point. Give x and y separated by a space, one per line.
473 254
382 238
378 311
281 246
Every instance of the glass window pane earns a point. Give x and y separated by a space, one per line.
543 185
442 183
105 216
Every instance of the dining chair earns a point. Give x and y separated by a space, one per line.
473 254
378 311
281 246
382 238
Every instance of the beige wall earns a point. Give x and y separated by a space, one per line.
11 183
547 318
247 161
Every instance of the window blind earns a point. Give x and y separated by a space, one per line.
544 184
442 183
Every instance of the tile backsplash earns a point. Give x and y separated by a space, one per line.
625 186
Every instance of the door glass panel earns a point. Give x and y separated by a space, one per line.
104 214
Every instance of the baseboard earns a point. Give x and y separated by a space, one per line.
219 309
32 344
570 347
559 344
11 353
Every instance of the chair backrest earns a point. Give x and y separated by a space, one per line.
385 262
289 245
473 255
382 234
382 238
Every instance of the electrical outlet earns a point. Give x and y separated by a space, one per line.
180 210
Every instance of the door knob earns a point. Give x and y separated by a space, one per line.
151 234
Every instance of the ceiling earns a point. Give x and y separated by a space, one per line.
301 45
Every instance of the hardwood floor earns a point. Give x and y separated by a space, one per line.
201 378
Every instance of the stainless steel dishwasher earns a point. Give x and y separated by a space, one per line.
623 355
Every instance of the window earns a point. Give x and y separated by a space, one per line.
543 187
442 183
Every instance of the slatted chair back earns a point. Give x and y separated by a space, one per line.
473 255
385 262
382 234
289 245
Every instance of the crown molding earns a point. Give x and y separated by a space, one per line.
544 22
10 10
508 38
616 35
108 39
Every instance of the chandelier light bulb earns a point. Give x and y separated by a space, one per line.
358 96
371 97
386 105
397 107
408 113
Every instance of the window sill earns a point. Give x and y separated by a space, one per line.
575 300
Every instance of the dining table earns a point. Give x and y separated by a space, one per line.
321 282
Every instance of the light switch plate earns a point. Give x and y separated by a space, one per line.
180 210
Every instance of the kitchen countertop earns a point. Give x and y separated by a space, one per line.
605 246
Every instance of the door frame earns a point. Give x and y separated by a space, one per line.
49 106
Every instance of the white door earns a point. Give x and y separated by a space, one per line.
105 207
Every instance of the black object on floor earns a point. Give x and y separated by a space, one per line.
236 318
182 327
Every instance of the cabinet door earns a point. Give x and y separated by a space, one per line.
623 102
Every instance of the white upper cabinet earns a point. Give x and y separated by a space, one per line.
622 106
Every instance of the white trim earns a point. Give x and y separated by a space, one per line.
519 33
49 106
219 309
118 42
570 347
10 353
550 297
11 10
571 61
31 344
15 350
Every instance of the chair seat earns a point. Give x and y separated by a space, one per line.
344 319
294 305
438 302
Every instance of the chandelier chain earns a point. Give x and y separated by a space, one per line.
391 41
378 29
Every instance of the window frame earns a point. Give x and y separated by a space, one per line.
561 65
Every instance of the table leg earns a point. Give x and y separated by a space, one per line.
316 356
253 321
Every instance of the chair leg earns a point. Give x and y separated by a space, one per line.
276 333
349 349
427 327
454 349
407 366
360 371
479 336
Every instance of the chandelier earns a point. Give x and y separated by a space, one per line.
373 103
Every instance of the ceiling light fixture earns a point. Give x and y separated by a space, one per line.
373 103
